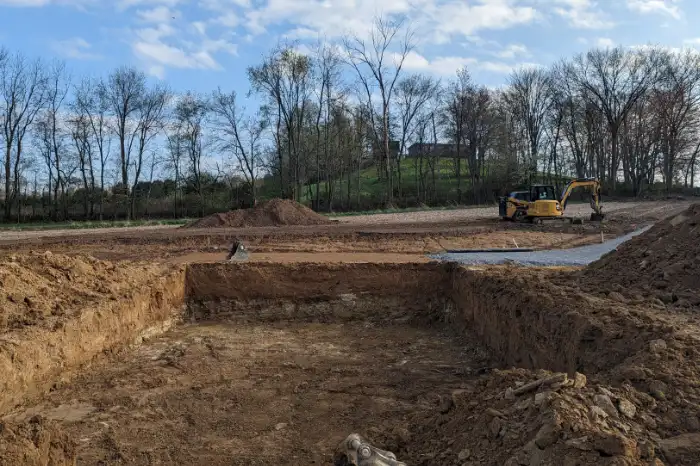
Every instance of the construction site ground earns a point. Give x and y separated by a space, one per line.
158 352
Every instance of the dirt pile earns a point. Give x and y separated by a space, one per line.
662 263
520 417
44 288
37 442
274 212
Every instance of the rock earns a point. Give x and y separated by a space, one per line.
605 403
627 408
464 454
581 443
648 421
280 426
683 449
666 298
509 395
541 397
446 405
658 389
494 413
546 436
579 380
614 295
495 426
615 444
460 398
596 414
646 450
656 346
607 392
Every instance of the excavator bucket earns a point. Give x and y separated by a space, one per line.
355 451
238 252
597 217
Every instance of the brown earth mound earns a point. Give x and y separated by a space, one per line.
269 213
663 263
44 288
37 442
520 417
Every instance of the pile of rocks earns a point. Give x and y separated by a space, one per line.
521 417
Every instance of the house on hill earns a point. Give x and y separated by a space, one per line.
434 150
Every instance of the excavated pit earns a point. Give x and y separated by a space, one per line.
274 364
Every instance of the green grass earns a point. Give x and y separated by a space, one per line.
85 225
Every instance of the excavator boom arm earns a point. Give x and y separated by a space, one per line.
592 184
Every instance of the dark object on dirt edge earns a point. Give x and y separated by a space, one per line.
238 252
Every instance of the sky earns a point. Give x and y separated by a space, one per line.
200 45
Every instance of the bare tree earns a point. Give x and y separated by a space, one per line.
150 116
676 99
240 136
285 80
124 92
530 96
613 80
191 112
379 69
22 95
413 94
91 100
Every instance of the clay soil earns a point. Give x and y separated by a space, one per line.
225 394
439 390
274 212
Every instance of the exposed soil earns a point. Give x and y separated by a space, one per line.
246 394
281 361
274 212
663 263
36 442
44 288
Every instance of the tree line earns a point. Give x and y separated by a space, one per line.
123 147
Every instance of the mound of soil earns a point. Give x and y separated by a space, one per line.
662 263
274 212
520 417
37 442
45 288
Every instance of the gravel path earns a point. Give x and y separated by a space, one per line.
481 213
580 256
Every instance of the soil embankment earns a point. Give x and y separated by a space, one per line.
275 212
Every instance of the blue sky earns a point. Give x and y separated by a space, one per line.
201 44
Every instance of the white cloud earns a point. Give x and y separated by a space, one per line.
433 20
583 14
605 42
513 51
159 14
448 65
76 47
668 7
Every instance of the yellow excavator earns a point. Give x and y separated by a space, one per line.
541 203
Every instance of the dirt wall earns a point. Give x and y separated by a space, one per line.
536 319
34 358
247 282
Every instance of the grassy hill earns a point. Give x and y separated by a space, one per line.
372 190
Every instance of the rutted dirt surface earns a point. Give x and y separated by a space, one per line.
274 212
662 263
221 394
